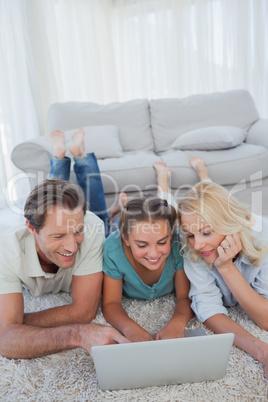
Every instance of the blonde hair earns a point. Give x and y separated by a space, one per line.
215 206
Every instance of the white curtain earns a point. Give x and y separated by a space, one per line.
115 50
180 47
18 120
51 51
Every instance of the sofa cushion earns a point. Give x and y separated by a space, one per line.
225 167
133 172
210 138
131 118
171 118
102 140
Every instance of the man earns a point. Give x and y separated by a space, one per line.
60 249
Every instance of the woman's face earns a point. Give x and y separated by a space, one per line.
149 243
201 237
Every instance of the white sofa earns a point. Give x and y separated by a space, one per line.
224 128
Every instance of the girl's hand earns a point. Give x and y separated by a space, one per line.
227 251
139 335
170 332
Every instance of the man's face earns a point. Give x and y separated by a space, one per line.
60 237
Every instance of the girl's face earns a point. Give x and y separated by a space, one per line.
149 243
201 237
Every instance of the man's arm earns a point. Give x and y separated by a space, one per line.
19 341
86 293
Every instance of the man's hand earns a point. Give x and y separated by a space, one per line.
97 335
21 341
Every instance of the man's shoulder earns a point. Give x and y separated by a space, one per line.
12 254
13 239
91 219
94 228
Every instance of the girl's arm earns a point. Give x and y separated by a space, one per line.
251 302
115 314
220 323
182 313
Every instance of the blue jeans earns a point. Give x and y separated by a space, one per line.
88 177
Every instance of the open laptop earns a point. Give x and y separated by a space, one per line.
194 358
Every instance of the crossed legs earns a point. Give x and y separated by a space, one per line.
85 167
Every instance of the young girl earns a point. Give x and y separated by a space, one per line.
142 261
226 262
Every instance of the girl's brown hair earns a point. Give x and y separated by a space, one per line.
147 208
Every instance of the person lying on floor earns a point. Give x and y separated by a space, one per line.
226 261
142 260
59 249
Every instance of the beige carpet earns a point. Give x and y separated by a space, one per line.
70 375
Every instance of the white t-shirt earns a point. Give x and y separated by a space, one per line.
19 263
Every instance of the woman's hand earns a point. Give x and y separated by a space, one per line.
227 251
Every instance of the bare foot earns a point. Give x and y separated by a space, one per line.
122 200
199 166
57 139
77 148
163 173
161 168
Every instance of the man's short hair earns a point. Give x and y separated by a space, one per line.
49 193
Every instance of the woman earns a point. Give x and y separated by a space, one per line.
227 263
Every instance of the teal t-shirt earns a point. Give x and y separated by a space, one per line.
117 266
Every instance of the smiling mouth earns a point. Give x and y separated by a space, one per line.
153 261
66 255
206 253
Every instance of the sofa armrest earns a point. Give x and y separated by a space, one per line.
258 133
33 155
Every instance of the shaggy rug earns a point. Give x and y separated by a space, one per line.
71 376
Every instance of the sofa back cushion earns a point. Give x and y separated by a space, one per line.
131 118
171 118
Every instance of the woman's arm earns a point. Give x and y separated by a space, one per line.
220 323
252 303
115 314
182 313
